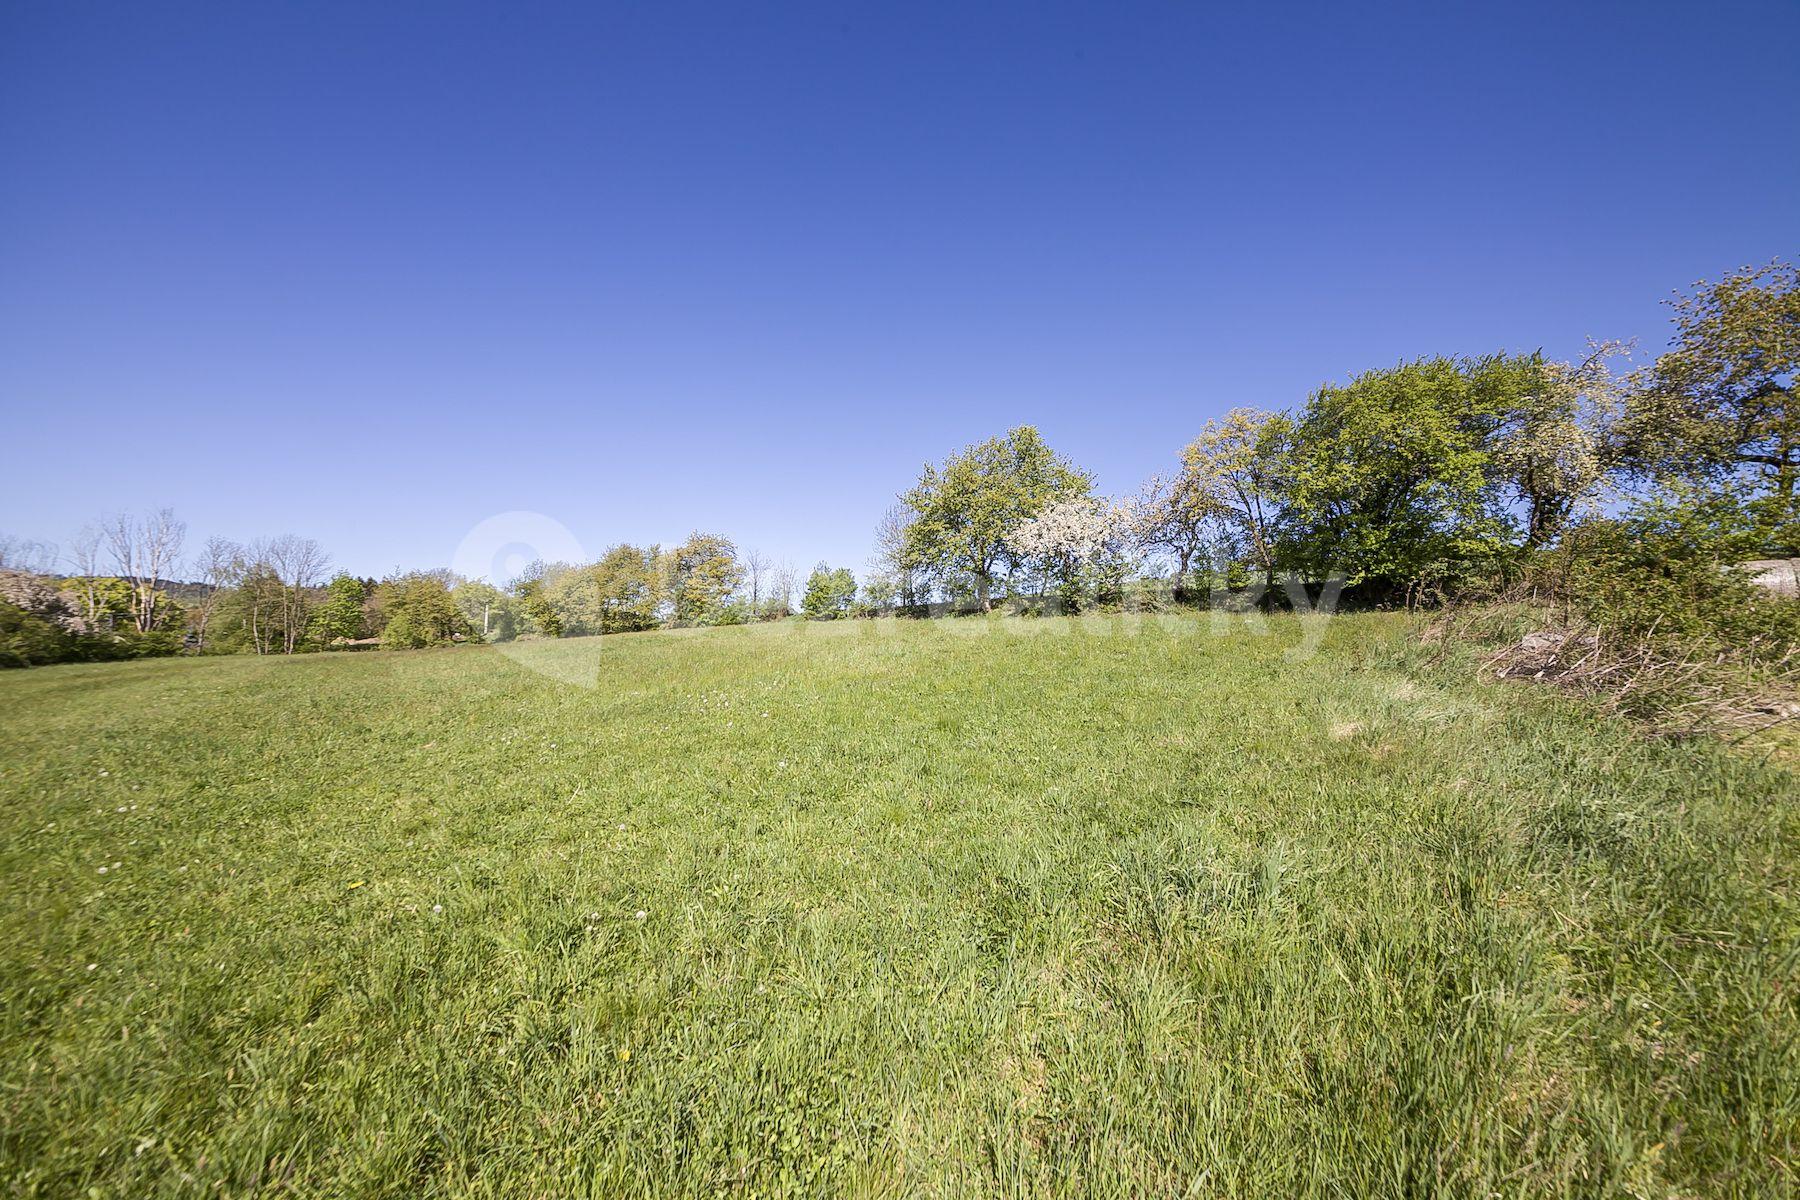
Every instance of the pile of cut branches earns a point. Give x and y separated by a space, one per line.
1677 686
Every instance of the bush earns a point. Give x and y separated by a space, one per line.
1667 574
28 641
1650 615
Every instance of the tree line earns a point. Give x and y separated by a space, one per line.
1420 480
1431 478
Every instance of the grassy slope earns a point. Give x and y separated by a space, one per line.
938 909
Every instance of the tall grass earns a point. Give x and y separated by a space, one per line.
967 908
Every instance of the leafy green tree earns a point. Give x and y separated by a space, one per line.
629 585
340 615
1720 404
421 612
107 601
251 614
882 591
1391 478
699 577
540 614
963 510
829 593
572 592
490 612
32 641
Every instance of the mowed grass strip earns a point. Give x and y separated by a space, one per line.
1077 907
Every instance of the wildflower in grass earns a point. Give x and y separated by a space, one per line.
358 883
103 870
642 915
93 966
437 908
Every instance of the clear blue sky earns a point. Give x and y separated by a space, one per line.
373 273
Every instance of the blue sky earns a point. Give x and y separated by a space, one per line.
375 273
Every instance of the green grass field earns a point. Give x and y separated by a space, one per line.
970 908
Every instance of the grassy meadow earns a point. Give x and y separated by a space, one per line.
962 908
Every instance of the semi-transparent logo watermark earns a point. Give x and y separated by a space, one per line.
500 551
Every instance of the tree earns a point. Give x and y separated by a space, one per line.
964 509
1182 517
296 563
629 587
24 554
881 591
488 610
1083 547
1720 403
540 614
1236 464
217 568
107 602
420 612
1390 478
573 592
339 616
1555 447
758 569
84 556
252 609
143 552
700 575
781 592
894 562
829 593
39 623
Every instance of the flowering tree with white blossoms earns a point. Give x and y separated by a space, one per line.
1083 547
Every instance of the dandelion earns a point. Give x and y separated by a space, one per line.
357 884
624 1054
